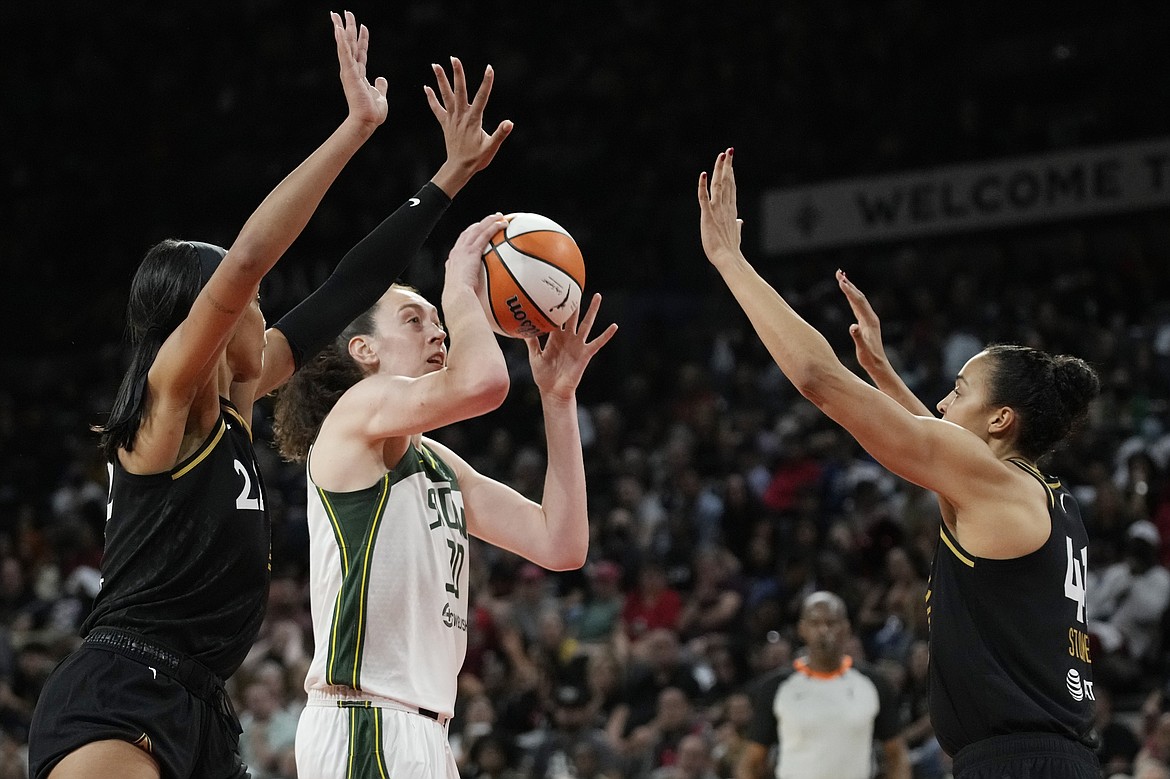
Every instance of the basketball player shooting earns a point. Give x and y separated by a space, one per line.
391 511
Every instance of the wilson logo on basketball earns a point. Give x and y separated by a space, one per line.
532 277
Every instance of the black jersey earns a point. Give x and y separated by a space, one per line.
186 560
1009 652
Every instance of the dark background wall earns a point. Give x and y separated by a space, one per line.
129 122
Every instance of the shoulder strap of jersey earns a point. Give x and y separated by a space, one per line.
1049 484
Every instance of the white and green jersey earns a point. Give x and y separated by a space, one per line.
388 580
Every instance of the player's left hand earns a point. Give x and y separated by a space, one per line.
469 146
557 367
867 332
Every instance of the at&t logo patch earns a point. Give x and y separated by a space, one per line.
1078 688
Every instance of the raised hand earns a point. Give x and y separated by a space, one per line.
469 147
719 222
871 352
558 366
367 103
867 332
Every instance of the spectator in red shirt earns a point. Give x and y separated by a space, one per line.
652 604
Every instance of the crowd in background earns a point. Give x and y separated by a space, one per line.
718 496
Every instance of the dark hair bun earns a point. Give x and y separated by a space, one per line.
1077 383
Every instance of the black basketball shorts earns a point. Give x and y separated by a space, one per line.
1026 756
95 694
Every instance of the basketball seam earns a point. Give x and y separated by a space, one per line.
520 287
518 250
487 279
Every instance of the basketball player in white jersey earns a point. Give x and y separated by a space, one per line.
390 512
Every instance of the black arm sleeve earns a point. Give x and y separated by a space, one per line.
363 275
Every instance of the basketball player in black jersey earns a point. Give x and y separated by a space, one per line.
186 563
1011 690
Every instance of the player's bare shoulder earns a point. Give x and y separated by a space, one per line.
1009 521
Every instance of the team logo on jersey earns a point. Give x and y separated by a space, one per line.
1078 689
453 620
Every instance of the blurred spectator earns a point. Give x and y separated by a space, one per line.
1119 742
34 662
1126 604
713 607
721 668
693 760
573 726
695 506
605 680
530 598
652 604
492 757
476 720
1154 756
796 474
285 635
657 744
742 514
13 756
556 652
18 603
599 617
893 613
731 733
268 740
927 759
659 663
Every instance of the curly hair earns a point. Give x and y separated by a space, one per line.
312 392
1051 393
303 403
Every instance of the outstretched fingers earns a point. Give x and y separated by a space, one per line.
479 102
344 52
862 309
723 179
446 93
459 80
718 187
367 103
586 324
362 49
586 327
352 38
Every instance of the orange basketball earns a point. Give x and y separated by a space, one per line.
533 275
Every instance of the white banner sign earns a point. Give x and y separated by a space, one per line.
1082 182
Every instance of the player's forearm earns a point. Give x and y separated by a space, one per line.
889 382
564 501
453 176
475 359
801 353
